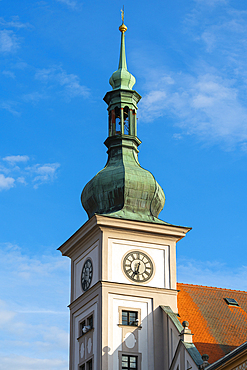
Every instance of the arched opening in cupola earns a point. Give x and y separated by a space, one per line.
126 120
118 121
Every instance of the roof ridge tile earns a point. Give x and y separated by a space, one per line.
211 287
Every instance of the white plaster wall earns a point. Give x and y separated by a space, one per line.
175 340
145 335
91 252
159 253
191 361
79 316
178 363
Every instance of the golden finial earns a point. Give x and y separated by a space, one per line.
122 28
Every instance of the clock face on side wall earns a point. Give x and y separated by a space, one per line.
86 274
138 266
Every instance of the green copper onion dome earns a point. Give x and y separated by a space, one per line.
123 189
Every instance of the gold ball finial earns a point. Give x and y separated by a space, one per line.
123 28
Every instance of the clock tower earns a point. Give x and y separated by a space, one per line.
123 259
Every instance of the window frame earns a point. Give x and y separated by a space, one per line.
128 319
128 366
129 309
84 365
85 322
132 354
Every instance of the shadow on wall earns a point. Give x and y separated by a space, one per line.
142 346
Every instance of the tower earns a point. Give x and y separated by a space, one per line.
123 259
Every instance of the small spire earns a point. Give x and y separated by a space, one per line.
122 29
122 78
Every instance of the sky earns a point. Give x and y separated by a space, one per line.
56 58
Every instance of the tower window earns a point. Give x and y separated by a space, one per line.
90 365
126 121
90 321
129 362
82 324
130 318
118 121
86 325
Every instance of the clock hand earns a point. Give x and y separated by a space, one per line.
137 267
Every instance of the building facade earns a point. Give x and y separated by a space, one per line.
123 309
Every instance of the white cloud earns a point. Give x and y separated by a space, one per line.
37 173
45 173
27 363
10 107
211 274
207 105
69 82
6 315
21 180
8 74
13 159
34 317
6 182
13 23
71 3
8 41
33 97
211 2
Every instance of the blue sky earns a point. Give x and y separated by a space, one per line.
56 57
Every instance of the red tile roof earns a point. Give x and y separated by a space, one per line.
217 327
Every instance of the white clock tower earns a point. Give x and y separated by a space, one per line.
123 259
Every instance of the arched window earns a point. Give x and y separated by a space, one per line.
118 121
126 121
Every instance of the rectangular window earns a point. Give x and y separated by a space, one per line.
82 324
130 318
82 367
90 365
90 321
129 362
86 325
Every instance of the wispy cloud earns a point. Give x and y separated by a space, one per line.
33 97
9 74
8 41
207 99
6 183
44 173
69 82
18 173
10 106
206 105
211 2
13 159
70 3
28 363
14 23
211 273
37 285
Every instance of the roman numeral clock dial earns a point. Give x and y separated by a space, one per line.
86 274
138 266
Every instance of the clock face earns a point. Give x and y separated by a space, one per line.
138 266
86 275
